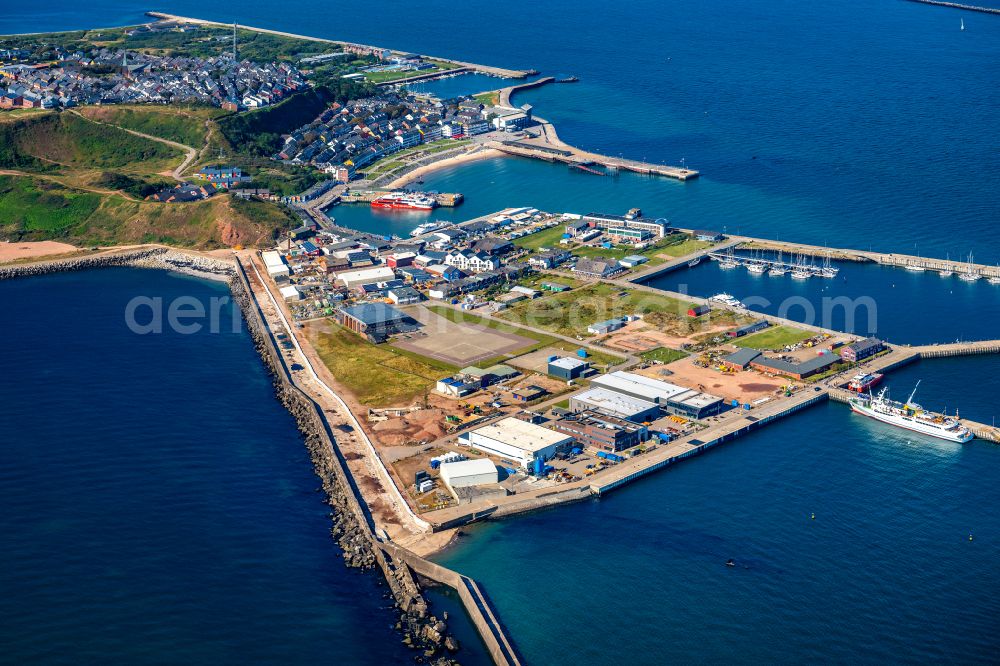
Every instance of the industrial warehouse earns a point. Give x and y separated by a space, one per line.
673 399
518 441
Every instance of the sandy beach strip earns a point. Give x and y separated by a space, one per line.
13 251
419 172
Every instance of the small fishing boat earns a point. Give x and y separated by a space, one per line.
694 262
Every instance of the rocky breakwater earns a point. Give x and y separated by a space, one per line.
191 264
107 260
352 527
160 258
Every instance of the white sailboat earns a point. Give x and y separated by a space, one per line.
970 274
778 269
946 272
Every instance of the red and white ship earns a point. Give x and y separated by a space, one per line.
405 201
864 381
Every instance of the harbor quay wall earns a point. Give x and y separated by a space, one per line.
750 426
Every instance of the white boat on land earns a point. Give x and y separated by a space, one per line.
911 416
726 299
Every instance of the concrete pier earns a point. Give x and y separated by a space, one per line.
956 5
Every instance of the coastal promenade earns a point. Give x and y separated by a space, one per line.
465 66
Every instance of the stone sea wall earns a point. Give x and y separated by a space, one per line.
147 257
353 528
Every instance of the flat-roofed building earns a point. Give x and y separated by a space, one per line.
353 279
674 399
567 368
275 265
518 441
628 227
464 473
376 321
615 404
600 431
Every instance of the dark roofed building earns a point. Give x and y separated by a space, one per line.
376 321
858 351
796 370
598 267
740 359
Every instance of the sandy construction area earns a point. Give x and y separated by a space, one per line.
28 250
743 386
638 336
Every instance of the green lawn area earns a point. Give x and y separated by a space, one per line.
776 337
545 238
385 77
571 312
542 341
663 355
487 98
377 375
674 245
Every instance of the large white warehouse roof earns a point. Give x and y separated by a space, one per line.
521 434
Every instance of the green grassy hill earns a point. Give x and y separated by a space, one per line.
38 209
47 141
183 124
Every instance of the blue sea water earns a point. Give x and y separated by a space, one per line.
856 123
885 573
159 505
865 299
